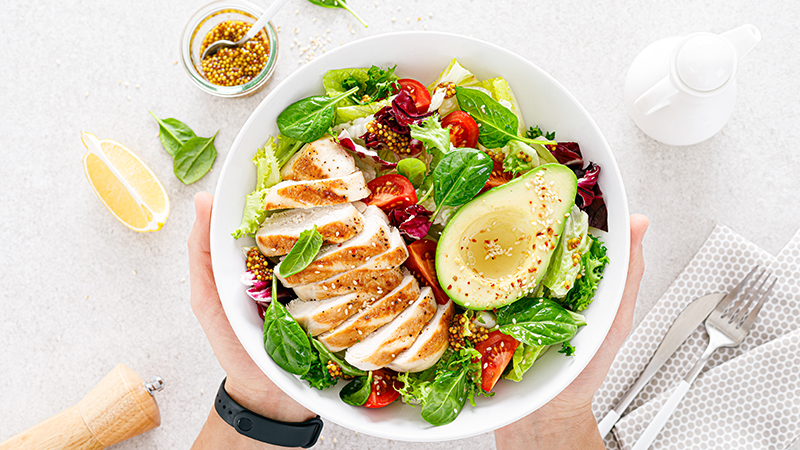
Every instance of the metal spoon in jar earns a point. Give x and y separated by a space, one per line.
260 23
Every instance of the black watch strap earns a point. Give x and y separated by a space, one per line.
263 429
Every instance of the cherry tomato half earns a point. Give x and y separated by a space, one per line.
384 388
421 263
496 352
417 91
463 129
498 177
391 191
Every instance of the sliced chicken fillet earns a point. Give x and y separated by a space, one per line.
388 341
335 259
279 232
318 160
374 316
358 280
320 316
311 193
429 345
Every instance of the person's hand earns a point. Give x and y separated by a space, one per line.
246 383
567 421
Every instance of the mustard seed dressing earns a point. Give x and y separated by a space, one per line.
234 66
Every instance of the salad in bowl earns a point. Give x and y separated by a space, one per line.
412 245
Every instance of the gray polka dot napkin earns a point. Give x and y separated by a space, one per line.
749 396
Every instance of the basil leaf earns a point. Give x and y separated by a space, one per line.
446 398
194 159
302 253
460 175
326 355
338 4
537 321
498 125
284 340
173 133
413 169
357 391
310 118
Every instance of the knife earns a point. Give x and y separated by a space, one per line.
687 321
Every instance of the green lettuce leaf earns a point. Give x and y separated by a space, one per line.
454 73
593 262
435 138
350 113
565 264
268 168
524 357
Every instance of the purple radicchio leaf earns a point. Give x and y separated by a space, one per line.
405 110
589 198
568 154
370 157
264 294
413 221
597 212
586 184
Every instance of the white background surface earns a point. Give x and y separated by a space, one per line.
60 245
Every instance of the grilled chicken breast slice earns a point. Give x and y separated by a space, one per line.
374 316
311 193
318 160
356 280
332 260
317 317
279 232
429 345
384 344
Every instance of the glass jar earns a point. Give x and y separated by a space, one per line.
204 21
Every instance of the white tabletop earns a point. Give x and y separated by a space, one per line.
80 293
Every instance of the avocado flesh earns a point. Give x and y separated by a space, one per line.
497 247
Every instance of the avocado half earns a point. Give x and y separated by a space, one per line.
497 247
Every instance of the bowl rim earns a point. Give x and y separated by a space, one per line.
241 90
611 169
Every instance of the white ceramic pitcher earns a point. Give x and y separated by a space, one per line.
681 90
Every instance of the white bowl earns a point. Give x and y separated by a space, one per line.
422 56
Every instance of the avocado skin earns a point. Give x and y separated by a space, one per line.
523 197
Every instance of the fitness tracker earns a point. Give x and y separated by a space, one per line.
264 429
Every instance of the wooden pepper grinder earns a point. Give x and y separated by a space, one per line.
120 407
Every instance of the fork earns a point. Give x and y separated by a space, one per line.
726 327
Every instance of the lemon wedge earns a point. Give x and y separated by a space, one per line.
125 185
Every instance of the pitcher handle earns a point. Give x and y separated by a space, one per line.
656 97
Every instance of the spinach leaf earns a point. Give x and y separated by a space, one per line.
326 355
284 340
537 321
498 125
310 118
194 159
338 4
460 175
357 391
302 253
413 169
446 398
173 133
